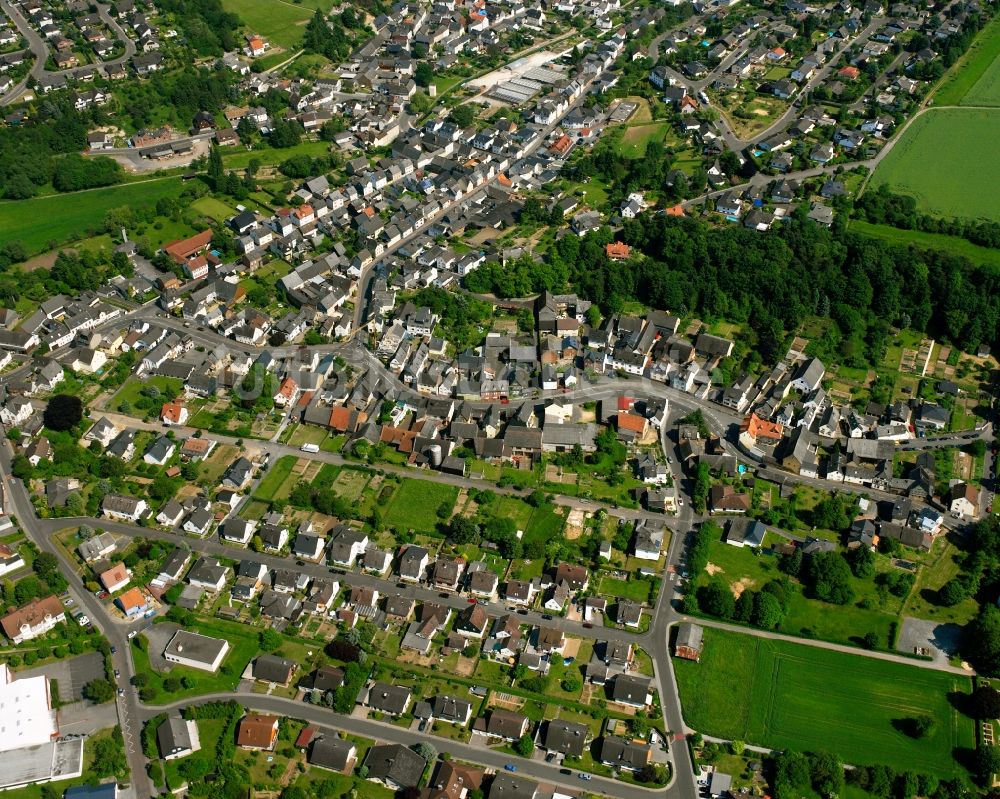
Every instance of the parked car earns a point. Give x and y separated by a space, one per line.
583 776
510 767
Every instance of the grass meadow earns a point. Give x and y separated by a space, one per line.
975 79
947 161
784 695
59 218
415 503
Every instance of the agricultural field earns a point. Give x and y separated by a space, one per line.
940 242
975 79
415 505
784 695
45 222
946 179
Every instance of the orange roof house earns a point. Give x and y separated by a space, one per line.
688 103
133 602
849 72
304 210
631 423
675 210
173 413
618 251
257 732
756 427
562 145
286 391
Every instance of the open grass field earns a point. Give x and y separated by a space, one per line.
975 78
784 695
637 590
131 391
940 242
741 569
62 218
280 22
633 143
947 179
942 567
415 503
210 207
274 481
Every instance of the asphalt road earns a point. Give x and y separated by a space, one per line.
547 773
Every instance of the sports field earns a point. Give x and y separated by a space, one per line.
947 161
785 695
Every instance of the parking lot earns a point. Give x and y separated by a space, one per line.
71 675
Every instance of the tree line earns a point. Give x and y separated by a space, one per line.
884 207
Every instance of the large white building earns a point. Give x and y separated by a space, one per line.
26 714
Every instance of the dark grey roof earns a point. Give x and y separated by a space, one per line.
565 736
395 764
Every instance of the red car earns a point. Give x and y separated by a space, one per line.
471 600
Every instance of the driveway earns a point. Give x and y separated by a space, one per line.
71 674
158 636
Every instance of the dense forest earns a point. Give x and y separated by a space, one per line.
772 281
28 152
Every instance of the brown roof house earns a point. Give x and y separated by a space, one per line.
257 732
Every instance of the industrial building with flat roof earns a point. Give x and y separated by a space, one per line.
196 651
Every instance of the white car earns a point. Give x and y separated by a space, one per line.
132 634
83 621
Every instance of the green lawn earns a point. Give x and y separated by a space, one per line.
517 510
975 79
276 477
636 589
415 503
60 218
546 522
240 159
784 695
216 209
131 391
945 179
940 242
634 141
935 573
